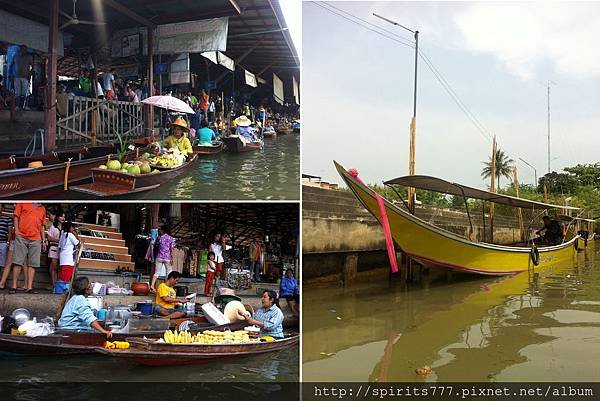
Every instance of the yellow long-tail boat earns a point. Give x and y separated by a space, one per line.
434 246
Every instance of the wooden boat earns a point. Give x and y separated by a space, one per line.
284 129
235 144
107 183
269 134
68 342
208 150
17 180
148 352
436 247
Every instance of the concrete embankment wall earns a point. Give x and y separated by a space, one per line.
341 241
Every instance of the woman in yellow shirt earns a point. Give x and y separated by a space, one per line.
177 139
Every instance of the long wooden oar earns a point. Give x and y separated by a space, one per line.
68 294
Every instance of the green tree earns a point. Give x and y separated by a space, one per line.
586 174
504 166
558 183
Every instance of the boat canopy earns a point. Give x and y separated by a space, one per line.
571 218
446 187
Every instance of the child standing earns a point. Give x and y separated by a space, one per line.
210 274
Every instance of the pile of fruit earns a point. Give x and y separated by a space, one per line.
170 158
116 345
208 337
140 166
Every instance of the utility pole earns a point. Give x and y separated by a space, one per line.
413 122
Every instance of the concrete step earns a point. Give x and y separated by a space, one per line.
121 257
107 248
98 264
97 227
344 216
102 241
308 206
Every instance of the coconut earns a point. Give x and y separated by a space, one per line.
103 167
124 170
135 169
113 165
155 171
145 168
126 166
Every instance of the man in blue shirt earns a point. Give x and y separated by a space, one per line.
269 317
77 313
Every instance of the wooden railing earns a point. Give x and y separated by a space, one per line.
84 121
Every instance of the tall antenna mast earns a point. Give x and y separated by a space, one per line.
548 89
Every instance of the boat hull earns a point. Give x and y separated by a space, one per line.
236 145
109 183
65 342
203 150
436 247
146 353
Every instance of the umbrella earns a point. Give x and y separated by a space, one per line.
169 103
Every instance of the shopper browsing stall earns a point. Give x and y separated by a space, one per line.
164 258
67 248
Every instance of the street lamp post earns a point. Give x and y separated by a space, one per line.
413 123
534 170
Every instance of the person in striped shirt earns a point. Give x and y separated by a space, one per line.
269 317
6 223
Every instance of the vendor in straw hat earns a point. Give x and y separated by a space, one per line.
243 128
177 139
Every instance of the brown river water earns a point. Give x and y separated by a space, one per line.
528 327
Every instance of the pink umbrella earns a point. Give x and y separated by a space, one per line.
169 103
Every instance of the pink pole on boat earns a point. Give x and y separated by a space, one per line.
385 224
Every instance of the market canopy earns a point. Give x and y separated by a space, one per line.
442 186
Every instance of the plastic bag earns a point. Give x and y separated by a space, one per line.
34 329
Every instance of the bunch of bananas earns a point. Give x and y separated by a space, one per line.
207 337
166 160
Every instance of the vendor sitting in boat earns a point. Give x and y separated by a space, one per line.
77 313
554 232
177 139
244 130
205 135
269 317
166 300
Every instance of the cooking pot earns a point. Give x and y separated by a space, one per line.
181 290
96 302
140 289
119 313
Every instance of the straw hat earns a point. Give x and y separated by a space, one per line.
231 311
243 121
180 122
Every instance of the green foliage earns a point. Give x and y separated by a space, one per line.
586 174
558 183
504 166
122 151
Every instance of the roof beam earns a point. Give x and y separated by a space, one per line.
129 13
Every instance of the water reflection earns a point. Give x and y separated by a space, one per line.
481 329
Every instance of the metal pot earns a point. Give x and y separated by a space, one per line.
118 313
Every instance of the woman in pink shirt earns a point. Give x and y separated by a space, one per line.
164 259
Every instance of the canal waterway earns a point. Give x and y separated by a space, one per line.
543 326
272 173
282 366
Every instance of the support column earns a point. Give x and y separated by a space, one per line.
50 109
350 268
150 115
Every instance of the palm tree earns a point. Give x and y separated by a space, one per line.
504 166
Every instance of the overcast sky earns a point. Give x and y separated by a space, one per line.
357 87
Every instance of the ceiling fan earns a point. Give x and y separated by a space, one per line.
73 20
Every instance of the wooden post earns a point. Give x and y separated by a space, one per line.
520 215
545 193
150 115
50 109
493 189
411 163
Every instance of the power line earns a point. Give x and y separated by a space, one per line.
402 42
436 73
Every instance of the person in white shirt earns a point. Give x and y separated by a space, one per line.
109 86
67 246
217 247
